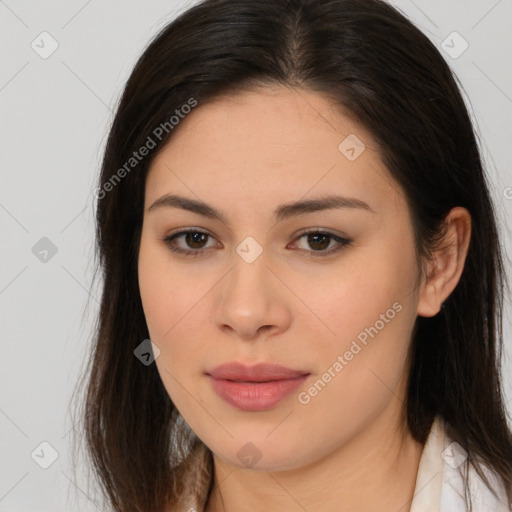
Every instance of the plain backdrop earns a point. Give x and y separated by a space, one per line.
55 113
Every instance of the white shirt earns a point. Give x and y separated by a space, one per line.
439 482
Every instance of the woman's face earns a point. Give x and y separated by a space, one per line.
258 290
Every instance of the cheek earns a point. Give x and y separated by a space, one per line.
155 296
166 292
371 312
175 306
369 297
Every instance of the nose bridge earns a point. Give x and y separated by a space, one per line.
249 270
247 302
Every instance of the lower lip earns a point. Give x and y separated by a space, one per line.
255 396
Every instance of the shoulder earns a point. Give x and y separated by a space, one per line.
455 469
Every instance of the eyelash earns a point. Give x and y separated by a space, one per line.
344 242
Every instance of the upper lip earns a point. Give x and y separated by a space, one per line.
261 372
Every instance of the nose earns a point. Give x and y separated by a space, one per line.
252 301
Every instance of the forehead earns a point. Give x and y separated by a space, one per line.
273 142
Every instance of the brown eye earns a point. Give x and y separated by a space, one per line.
319 241
194 242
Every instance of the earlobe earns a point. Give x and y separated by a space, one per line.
448 263
430 301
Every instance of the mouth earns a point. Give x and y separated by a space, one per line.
255 388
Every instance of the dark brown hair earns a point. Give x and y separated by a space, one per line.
385 73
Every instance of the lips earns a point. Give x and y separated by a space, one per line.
261 372
254 388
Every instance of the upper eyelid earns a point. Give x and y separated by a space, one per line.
302 232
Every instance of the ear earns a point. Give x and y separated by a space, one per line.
447 263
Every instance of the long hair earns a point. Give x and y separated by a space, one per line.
386 74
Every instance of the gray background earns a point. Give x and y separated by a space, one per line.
55 114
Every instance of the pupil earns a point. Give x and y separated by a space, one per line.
316 236
193 238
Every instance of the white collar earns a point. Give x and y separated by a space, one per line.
440 484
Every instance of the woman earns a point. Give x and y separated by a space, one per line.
302 273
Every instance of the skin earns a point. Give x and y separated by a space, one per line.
348 448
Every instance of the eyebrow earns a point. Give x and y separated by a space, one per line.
282 212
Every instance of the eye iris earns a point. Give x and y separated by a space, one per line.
317 236
195 237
